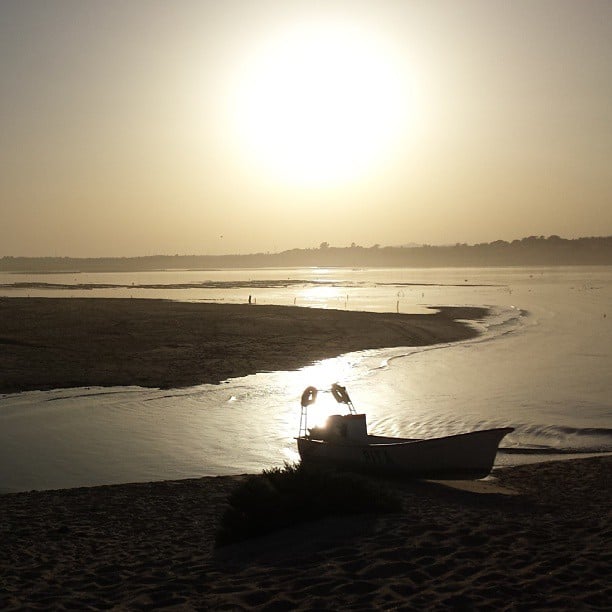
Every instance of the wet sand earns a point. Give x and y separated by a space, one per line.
48 343
543 540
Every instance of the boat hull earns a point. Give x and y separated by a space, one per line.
463 456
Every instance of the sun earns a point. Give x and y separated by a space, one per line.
319 104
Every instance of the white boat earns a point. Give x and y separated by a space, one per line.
344 443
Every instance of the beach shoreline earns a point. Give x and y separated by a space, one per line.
546 544
49 343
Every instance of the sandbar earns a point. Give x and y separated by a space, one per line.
48 343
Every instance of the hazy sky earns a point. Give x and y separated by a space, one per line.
160 127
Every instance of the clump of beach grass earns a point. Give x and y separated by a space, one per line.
293 494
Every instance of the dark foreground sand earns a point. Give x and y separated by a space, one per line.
48 343
139 546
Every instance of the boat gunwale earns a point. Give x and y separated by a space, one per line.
405 441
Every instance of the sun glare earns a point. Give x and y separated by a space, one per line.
319 104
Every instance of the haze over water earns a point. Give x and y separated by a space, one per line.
541 365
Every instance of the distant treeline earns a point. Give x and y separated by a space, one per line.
531 251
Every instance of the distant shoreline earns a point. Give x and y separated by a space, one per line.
50 343
530 251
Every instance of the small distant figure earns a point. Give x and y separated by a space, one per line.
250 299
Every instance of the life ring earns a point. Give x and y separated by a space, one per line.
340 394
309 396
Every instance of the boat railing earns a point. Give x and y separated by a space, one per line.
309 396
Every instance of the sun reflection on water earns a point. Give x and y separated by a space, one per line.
320 375
324 296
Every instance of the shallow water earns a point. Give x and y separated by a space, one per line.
542 365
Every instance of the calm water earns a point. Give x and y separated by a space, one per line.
542 365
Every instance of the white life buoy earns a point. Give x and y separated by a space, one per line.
309 396
340 394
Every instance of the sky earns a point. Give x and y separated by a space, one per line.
137 127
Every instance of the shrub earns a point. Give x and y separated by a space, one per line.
281 497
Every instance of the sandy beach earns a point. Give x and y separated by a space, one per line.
534 537
48 343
